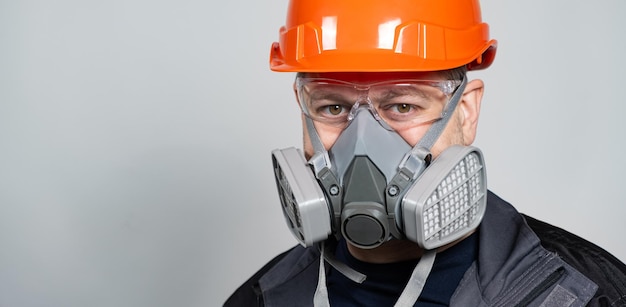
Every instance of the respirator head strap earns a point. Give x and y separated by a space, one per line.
435 130
320 158
321 164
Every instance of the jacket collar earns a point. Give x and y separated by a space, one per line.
512 266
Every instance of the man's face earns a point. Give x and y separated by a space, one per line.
461 128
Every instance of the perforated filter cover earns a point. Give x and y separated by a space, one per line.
448 200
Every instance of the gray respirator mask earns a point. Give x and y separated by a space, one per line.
371 185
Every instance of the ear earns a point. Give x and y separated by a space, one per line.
470 109
295 93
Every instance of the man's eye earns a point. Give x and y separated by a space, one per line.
403 108
335 109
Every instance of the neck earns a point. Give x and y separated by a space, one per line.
389 252
394 251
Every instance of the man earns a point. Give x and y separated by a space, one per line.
389 198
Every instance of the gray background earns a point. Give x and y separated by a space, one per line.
136 135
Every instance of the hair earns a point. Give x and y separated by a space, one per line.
455 73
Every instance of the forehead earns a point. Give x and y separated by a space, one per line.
370 77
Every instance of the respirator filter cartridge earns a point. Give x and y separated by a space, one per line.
304 205
448 200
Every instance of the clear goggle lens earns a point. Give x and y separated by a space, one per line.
400 103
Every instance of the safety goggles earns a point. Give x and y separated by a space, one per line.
401 104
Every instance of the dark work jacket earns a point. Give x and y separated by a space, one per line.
521 262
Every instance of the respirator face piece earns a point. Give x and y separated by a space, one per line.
365 158
371 186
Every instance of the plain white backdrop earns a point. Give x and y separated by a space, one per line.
135 140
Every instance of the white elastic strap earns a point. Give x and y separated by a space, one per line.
409 295
416 283
316 141
343 268
435 130
321 292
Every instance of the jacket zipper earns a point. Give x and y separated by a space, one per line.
542 287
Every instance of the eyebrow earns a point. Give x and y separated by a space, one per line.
324 92
393 92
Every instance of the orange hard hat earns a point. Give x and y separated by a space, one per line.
392 35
